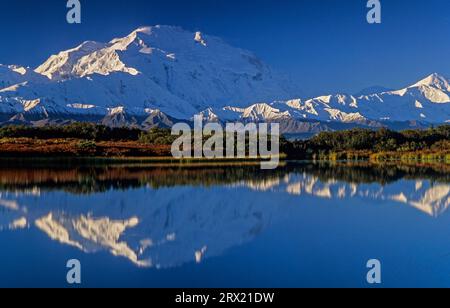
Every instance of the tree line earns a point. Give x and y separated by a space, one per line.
436 139
324 145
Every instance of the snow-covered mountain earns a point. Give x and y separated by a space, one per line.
153 68
163 73
427 101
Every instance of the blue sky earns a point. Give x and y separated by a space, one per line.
325 45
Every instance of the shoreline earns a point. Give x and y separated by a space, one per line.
171 161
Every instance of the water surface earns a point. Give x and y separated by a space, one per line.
302 225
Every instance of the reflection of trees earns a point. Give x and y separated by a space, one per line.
100 178
359 173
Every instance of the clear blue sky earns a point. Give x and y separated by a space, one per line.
326 45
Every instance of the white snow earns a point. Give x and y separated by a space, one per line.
161 67
199 38
182 73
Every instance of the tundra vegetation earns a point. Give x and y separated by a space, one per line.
376 145
91 140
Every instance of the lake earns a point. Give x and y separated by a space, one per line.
301 225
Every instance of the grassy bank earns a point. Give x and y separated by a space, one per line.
72 147
103 143
91 151
391 156
375 145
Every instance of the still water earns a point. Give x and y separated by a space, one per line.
302 225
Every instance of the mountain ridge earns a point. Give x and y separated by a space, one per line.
180 74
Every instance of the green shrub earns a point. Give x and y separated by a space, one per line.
86 145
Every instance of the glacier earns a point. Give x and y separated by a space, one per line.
156 76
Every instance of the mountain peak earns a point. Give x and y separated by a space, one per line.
60 65
177 71
434 80
146 30
149 30
171 39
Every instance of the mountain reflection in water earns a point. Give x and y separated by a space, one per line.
166 216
